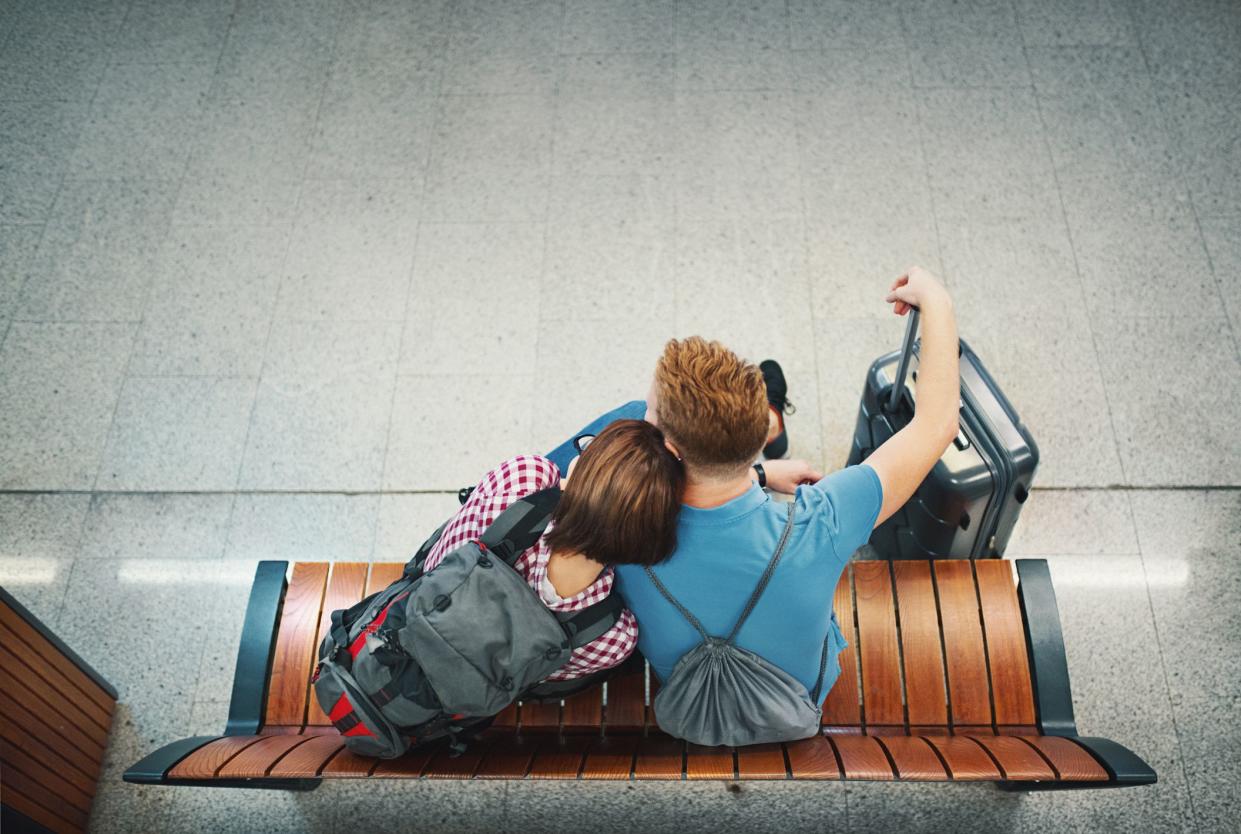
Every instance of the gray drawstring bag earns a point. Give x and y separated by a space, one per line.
719 694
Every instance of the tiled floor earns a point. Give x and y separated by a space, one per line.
276 275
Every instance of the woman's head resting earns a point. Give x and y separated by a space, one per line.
621 505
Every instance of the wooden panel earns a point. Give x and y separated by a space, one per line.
28 796
445 765
52 656
862 757
882 702
507 717
540 716
206 761
1071 761
346 765
35 659
914 759
812 758
659 757
610 758
53 731
258 758
74 790
966 760
382 575
626 707
306 760
842 707
1018 760
52 822
344 589
39 697
507 758
409 766
761 761
293 658
583 711
925 693
559 757
26 733
21 708
1006 643
709 762
969 689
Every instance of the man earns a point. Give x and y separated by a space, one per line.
714 410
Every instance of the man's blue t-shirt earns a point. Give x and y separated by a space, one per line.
721 555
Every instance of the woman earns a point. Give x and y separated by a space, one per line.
620 507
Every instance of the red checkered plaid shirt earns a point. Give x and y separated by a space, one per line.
508 482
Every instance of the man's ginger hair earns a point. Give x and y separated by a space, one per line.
712 405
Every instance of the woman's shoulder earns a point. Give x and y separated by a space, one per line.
520 476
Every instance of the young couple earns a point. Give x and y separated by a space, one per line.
668 488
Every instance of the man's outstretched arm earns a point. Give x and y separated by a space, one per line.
909 455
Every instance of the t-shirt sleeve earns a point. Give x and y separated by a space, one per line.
848 502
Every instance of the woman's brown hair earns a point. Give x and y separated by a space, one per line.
622 503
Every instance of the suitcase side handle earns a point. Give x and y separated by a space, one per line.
902 367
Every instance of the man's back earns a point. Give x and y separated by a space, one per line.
721 555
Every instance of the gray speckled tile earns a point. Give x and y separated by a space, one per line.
59 385
17 247
600 26
156 526
327 528
1071 522
1189 549
840 24
1075 23
39 537
971 44
158 31
405 521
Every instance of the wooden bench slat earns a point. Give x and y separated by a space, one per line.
82 683
349 765
293 656
1071 761
709 762
862 758
610 757
35 801
444 765
39 697
507 717
842 707
206 761
659 757
507 758
409 766
344 588
306 760
54 730
583 711
1006 644
74 790
626 707
969 688
925 691
812 758
258 758
28 733
559 757
882 703
761 761
540 716
382 575
37 662
966 760
914 759
1018 760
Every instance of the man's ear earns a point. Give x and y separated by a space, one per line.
673 449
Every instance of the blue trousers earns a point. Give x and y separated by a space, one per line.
564 453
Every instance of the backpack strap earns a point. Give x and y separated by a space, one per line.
413 568
519 526
589 624
754 597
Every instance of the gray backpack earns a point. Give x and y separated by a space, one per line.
438 653
721 694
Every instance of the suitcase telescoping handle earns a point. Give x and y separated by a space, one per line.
902 367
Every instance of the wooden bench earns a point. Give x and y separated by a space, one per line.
57 712
955 672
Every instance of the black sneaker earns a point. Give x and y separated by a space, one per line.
777 398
